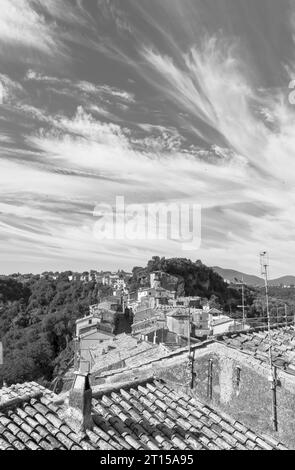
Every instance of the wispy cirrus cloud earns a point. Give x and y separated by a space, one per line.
149 106
82 86
21 24
44 33
10 90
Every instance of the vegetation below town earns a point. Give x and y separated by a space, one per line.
37 324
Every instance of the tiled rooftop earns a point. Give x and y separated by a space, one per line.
220 321
121 352
256 344
124 348
9 396
147 415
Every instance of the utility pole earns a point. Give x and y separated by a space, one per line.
189 333
77 353
243 302
286 318
264 272
1 360
272 378
190 363
242 284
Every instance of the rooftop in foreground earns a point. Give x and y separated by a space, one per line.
140 415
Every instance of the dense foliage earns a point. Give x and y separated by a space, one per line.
37 323
281 303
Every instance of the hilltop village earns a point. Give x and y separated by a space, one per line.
153 368
154 314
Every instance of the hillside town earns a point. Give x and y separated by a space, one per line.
151 369
157 315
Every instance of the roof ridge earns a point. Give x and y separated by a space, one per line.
112 387
19 400
170 355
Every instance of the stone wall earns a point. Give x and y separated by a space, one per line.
240 387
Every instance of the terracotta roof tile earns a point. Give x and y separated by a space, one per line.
240 437
18 445
229 438
4 445
250 444
240 446
263 444
241 427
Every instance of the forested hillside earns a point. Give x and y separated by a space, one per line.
279 297
37 323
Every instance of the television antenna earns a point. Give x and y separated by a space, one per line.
242 284
190 362
243 301
264 263
189 334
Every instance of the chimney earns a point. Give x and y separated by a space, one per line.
78 414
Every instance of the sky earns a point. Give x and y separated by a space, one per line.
158 101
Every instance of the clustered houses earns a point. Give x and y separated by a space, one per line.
100 323
159 315
116 280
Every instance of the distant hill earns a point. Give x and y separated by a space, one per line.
284 280
251 280
231 275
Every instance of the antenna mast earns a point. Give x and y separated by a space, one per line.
243 302
264 272
1 360
190 363
189 333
